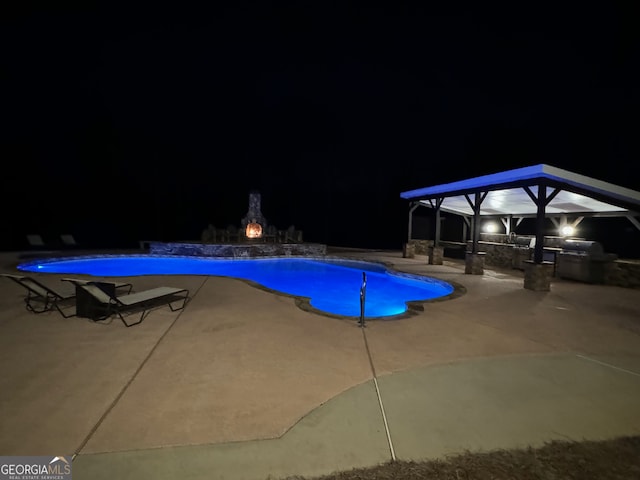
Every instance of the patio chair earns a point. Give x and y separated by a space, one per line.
68 240
42 298
99 301
232 234
35 240
271 234
292 235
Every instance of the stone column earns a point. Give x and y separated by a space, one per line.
537 276
474 263
409 250
435 255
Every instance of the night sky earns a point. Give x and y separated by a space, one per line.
129 124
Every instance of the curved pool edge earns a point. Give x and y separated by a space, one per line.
414 307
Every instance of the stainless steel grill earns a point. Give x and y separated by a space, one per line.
583 247
583 260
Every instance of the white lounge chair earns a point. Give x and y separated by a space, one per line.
99 301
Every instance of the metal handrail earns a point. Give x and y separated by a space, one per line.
363 294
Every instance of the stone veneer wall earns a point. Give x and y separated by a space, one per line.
239 250
497 254
537 276
421 247
623 273
619 272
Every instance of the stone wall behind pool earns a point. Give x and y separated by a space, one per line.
243 250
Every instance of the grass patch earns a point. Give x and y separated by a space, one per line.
616 459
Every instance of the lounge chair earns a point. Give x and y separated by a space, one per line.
68 240
42 298
35 240
99 301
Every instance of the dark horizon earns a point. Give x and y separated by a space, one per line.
154 123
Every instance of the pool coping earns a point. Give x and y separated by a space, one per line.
414 307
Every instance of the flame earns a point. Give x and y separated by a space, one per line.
254 230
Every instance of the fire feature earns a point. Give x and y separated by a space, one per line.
254 223
253 230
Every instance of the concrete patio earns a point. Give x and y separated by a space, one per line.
243 384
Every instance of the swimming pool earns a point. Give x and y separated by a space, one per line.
331 285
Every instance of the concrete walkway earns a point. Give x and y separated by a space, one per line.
243 384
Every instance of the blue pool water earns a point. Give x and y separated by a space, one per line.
332 285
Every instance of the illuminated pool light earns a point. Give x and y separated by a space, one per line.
331 285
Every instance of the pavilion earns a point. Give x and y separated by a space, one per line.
540 192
